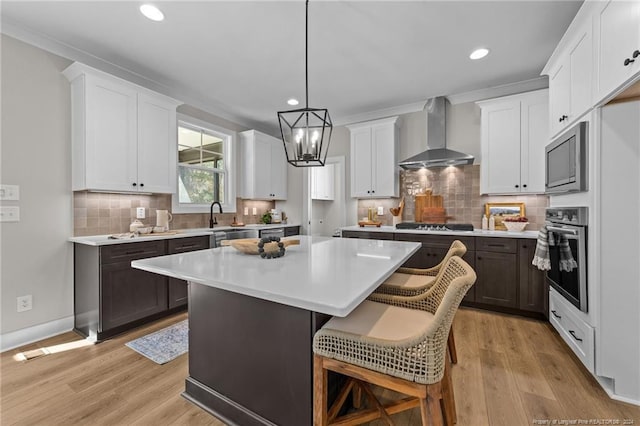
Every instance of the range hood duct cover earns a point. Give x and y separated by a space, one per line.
437 154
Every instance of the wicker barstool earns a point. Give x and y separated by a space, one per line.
414 281
411 282
396 348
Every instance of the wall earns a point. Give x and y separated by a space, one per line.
36 154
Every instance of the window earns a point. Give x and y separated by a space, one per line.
205 167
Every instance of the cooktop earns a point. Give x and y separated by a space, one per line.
435 226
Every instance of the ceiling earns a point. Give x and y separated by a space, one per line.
242 60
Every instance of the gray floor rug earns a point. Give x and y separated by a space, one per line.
163 345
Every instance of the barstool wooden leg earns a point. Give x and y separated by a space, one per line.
451 345
319 392
448 399
430 409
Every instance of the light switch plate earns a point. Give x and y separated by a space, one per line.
9 214
9 192
246 211
380 211
140 213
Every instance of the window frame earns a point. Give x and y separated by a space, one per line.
229 138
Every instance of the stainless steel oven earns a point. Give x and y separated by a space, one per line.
567 238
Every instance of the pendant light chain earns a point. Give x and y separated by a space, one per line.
306 52
306 132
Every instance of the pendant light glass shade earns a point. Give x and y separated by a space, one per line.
306 132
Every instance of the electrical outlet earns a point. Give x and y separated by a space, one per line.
246 211
380 210
25 303
9 192
255 210
140 213
9 214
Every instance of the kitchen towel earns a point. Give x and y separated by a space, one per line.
567 262
541 256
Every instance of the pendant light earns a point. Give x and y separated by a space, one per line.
306 132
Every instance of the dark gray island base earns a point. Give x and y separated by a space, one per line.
250 360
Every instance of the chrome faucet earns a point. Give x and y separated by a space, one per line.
212 219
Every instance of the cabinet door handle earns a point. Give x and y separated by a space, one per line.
517 186
141 185
368 192
187 247
556 315
573 334
496 245
373 192
628 61
636 53
524 186
134 184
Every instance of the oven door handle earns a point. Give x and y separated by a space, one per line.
566 231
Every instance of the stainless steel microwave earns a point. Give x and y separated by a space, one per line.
566 161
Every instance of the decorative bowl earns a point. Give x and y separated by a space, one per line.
145 230
515 226
250 245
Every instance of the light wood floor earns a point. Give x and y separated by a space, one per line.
510 371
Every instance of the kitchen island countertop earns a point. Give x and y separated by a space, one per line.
325 275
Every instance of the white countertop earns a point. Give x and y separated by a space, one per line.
327 275
103 240
474 233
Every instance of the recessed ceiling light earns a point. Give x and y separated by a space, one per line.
152 12
293 102
479 53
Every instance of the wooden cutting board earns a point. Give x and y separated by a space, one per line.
427 200
434 215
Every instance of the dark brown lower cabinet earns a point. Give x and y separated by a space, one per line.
506 280
130 294
111 297
533 287
497 279
291 230
178 292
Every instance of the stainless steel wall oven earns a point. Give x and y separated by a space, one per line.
567 237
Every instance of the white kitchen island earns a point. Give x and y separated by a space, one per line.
252 320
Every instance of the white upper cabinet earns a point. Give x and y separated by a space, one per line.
514 132
571 81
323 182
264 167
374 168
123 135
617 26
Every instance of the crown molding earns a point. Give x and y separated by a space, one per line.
499 91
381 113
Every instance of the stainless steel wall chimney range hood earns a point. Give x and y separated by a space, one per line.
437 154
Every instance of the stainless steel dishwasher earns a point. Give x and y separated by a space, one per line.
273 232
233 234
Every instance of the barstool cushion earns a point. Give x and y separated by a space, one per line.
409 281
373 320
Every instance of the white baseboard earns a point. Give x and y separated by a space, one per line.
607 388
18 338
